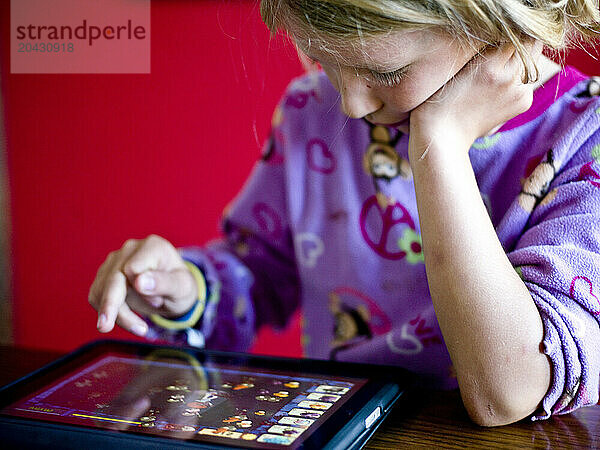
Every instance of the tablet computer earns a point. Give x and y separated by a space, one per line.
111 394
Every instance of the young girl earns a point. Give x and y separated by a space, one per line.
430 200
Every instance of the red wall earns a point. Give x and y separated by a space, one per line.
96 159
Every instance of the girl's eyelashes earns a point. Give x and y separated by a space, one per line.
388 79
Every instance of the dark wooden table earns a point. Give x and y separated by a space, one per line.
437 419
424 419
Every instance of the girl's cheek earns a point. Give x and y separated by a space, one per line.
411 93
402 100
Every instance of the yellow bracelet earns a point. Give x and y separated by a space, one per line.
196 311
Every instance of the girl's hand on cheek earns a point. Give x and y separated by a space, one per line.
484 94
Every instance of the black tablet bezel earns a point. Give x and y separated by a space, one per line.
385 384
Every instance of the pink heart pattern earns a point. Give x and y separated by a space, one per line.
586 172
320 158
582 291
578 106
268 220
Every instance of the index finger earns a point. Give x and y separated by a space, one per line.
112 298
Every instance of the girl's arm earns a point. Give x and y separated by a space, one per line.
490 323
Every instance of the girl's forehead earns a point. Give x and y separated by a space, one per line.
382 51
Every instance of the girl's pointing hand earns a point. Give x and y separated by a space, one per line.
145 276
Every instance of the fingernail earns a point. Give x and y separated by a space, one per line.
146 283
101 321
139 329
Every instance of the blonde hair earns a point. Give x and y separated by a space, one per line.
558 24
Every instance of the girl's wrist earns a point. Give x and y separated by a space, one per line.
194 313
444 145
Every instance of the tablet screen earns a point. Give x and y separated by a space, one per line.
172 394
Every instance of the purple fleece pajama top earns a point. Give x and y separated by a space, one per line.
328 223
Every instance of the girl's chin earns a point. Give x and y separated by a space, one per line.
403 125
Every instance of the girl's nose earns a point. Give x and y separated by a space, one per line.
357 99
